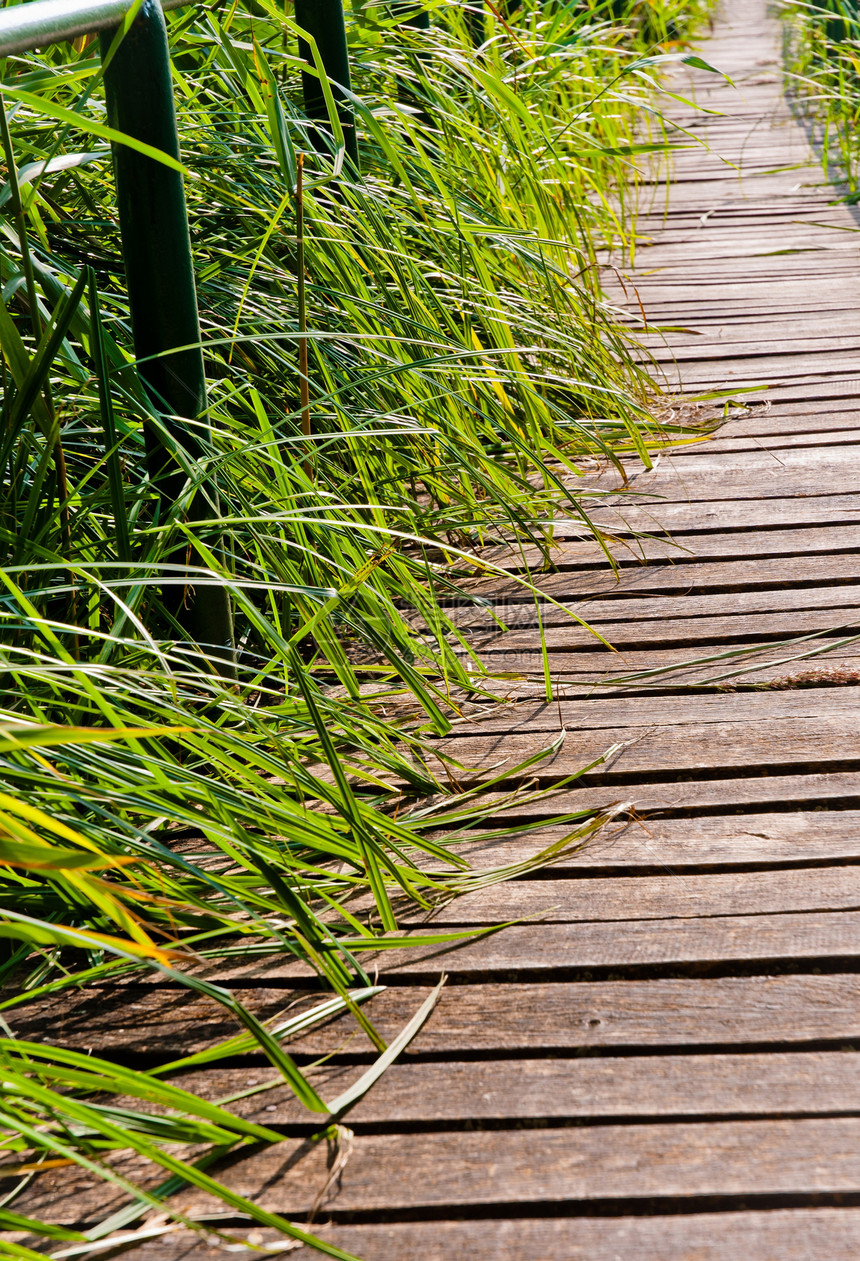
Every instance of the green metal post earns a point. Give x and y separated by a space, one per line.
323 19
162 294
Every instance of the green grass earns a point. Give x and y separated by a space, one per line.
461 366
821 45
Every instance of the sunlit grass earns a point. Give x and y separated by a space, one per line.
462 368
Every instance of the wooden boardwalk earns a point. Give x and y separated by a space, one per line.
662 1067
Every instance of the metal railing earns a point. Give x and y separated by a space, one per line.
153 224
24 27
156 250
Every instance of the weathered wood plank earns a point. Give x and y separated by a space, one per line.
708 843
787 465
814 791
688 745
814 391
813 437
776 1235
537 951
681 547
788 1084
686 666
758 376
531 716
677 631
657 516
630 608
159 1022
683 483
746 338
630 898
678 577
578 1165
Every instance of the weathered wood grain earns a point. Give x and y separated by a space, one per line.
812 1083
159 1022
824 790
775 1235
537 951
681 547
705 843
629 608
629 898
677 631
676 578
529 716
745 662
778 441
741 515
574 1166
710 747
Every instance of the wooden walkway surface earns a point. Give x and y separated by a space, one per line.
662 1067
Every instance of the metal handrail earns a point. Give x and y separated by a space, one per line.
24 27
153 220
156 248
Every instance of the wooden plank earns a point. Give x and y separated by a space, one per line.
726 290
813 390
772 481
635 898
831 316
775 335
811 222
762 178
724 226
610 1164
759 375
787 465
777 1235
799 409
720 665
665 308
541 951
757 359
671 352
828 790
784 241
693 576
631 608
529 716
741 514
811 251
563 1089
663 845
676 631
658 266
773 442
713 747
682 547
558 1017
569 1165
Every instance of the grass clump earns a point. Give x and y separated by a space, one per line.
821 44
403 366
